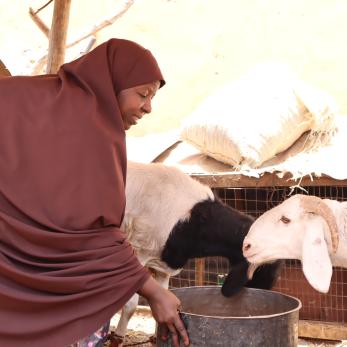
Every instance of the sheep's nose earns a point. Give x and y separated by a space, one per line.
246 247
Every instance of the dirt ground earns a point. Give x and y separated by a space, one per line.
142 330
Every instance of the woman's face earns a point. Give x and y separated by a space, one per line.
135 102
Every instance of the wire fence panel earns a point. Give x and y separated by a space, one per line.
330 307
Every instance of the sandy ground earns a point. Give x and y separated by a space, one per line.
142 327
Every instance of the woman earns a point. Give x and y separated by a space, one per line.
65 266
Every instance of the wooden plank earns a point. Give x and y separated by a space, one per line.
199 271
322 330
223 180
57 35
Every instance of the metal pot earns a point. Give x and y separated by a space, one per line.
253 317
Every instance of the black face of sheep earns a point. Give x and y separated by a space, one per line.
215 229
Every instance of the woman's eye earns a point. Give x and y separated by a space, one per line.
285 220
144 94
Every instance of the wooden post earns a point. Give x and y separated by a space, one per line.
199 271
57 35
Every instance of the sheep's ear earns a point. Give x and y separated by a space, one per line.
236 279
316 261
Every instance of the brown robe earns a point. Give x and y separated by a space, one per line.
65 266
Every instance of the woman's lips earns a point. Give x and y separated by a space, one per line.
135 119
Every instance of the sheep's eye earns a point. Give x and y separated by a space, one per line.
285 220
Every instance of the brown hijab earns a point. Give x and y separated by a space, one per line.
65 266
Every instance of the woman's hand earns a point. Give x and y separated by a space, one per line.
165 309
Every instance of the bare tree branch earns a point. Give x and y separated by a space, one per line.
42 7
127 4
104 23
40 64
38 21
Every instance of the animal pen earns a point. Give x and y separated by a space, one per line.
322 315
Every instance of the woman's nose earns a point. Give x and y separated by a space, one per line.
147 107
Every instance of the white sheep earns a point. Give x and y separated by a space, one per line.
170 218
305 228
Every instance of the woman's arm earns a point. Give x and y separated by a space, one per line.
165 309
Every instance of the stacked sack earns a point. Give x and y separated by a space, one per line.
259 116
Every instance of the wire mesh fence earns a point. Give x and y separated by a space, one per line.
330 307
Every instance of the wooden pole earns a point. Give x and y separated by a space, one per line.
126 5
57 35
199 271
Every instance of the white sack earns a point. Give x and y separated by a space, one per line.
251 120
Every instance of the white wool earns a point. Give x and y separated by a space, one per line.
251 120
304 236
158 196
155 204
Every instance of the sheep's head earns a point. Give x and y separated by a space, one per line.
303 228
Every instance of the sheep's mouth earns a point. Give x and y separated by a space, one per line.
255 264
251 270
249 256
256 258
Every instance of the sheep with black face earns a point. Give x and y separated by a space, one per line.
171 218
302 227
